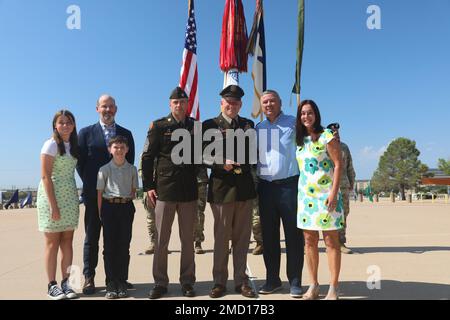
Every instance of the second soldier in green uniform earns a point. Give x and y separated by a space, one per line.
346 185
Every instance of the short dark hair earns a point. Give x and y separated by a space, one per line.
118 139
301 131
334 126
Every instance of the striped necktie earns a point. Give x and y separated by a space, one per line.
109 133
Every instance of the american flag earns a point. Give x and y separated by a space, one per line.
189 75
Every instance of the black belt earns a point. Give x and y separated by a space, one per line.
281 181
118 200
235 172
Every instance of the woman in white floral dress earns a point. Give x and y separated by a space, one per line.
319 200
57 201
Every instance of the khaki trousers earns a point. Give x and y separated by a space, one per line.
231 221
187 218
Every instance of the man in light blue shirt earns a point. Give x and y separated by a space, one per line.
277 190
277 162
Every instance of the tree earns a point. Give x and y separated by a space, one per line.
380 182
399 167
444 166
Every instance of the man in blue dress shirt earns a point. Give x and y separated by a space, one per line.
277 189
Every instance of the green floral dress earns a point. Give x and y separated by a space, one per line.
314 186
66 197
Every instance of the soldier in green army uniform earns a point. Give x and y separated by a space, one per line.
231 192
171 187
346 185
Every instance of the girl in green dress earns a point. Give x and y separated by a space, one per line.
319 202
57 201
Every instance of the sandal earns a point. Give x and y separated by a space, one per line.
332 294
312 293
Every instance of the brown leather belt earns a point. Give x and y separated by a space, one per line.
118 200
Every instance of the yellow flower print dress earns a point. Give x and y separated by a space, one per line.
314 186
66 194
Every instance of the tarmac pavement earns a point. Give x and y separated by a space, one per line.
402 251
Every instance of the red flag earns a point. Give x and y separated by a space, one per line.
233 43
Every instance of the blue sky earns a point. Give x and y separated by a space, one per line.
379 84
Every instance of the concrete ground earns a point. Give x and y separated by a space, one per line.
405 246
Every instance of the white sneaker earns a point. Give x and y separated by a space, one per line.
346 250
55 293
68 291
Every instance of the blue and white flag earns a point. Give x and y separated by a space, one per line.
257 48
27 201
14 199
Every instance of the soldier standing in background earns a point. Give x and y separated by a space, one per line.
150 212
256 222
346 185
199 237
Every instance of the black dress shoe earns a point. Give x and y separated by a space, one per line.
188 290
89 286
217 291
246 291
157 292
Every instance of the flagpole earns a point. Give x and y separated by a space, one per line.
300 42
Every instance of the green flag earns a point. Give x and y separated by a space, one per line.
301 33
368 193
